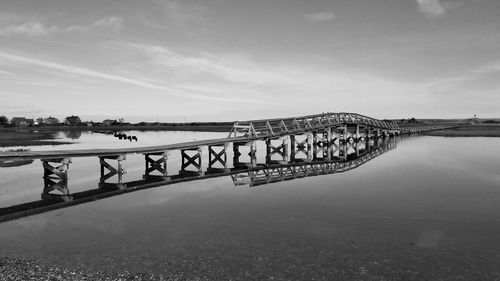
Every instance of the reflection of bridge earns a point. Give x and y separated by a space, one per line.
270 173
307 139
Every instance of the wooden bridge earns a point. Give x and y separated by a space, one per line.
324 137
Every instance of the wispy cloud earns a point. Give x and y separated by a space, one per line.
228 67
109 23
30 28
3 72
110 77
35 28
277 82
319 17
434 8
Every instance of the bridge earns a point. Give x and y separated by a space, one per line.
304 140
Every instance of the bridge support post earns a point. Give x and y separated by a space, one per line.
329 136
292 148
108 171
320 144
156 165
344 134
322 138
310 150
281 150
55 178
252 154
385 134
297 147
191 160
343 150
215 157
368 140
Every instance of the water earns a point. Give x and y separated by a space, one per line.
426 210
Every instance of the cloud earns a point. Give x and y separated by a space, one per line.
30 28
3 72
110 23
110 77
434 8
228 67
34 28
177 92
319 17
315 86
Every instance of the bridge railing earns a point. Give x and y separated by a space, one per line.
301 124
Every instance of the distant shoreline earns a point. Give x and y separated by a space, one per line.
29 136
481 130
201 127
46 135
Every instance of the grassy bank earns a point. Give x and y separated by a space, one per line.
482 130
198 127
10 138
46 135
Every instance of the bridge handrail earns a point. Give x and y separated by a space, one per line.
308 122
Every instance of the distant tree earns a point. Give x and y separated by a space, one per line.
72 120
121 120
4 120
51 121
413 120
39 121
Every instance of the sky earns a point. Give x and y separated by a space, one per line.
226 60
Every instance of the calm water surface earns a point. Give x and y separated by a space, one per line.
427 210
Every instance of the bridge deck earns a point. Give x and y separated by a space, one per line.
251 130
28 155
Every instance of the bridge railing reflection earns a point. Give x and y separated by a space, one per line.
276 172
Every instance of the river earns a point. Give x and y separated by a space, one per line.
426 210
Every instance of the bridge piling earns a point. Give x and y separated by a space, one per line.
191 160
55 178
252 154
158 165
297 147
217 157
281 150
108 171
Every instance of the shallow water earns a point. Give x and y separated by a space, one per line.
426 210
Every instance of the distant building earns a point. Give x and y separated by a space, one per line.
22 121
